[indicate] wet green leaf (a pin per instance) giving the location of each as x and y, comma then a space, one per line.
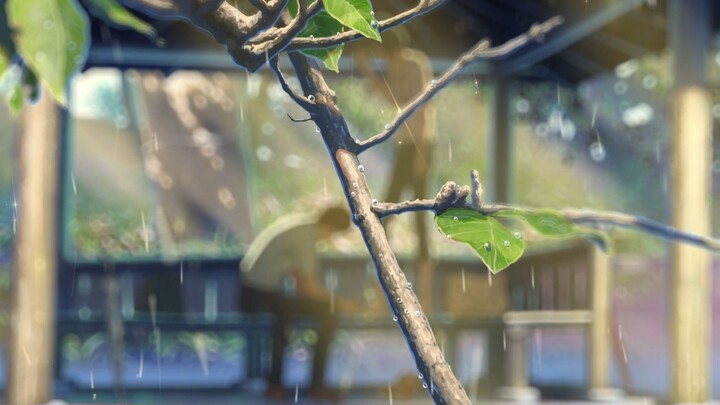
51, 36
497, 246
355, 14
112, 11
322, 25
552, 223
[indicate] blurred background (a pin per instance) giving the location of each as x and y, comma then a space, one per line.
173, 161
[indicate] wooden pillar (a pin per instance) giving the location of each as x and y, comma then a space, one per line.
691, 149
501, 145
599, 332
32, 331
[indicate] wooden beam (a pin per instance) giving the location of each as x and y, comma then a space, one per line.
691, 151
32, 332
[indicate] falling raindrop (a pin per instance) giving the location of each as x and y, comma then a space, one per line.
532, 276
490, 281
504, 341
597, 151
361, 168
506, 243
517, 235
311, 98
463, 279
296, 393
594, 115
487, 246
390, 396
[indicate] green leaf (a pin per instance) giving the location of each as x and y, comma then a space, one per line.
4, 61
552, 223
112, 11
355, 14
321, 25
497, 246
16, 98
51, 36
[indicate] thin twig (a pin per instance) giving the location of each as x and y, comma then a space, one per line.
421, 8
577, 216
298, 119
477, 189
481, 51
301, 100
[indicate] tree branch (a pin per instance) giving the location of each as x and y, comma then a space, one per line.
439, 204
304, 102
421, 8
481, 51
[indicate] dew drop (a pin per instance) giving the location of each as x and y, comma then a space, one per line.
355, 185
424, 384
406, 311
506, 243
311, 98
375, 202
372, 13
398, 300
312, 36
317, 129
420, 376
449, 236
395, 318
361, 168
409, 286
352, 194
380, 255
374, 23
387, 126
433, 82
487, 246
455, 218
517, 235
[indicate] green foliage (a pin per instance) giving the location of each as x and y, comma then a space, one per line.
16, 98
322, 25
111, 11
355, 14
51, 37
497, 246
551, 223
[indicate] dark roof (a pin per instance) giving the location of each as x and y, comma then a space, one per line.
597, 36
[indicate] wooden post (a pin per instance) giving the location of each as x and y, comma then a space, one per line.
691, 149
599, 332
501, 144
32, 331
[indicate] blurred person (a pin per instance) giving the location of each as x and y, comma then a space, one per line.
280, 274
